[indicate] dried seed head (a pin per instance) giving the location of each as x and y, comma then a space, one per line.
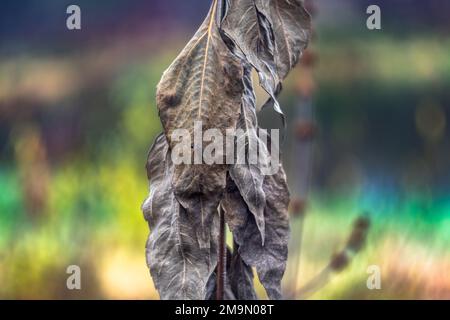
305, 130
339, 261
297, 207
359, 234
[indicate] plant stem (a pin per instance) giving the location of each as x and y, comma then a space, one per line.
222, 258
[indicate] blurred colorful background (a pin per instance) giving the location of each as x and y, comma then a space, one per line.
78, 115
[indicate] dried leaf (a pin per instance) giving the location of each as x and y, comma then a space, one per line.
204, 83
179, 267
253, 40
270, 258
246, 173
291, 25
241, 278
211, 293
270, 35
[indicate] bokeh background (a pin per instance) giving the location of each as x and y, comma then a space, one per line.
78, 115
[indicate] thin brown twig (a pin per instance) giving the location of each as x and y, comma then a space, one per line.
222, 259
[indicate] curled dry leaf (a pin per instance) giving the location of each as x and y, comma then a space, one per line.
228, 293
253, 40
270, 258
241, 278
179, 267
291, 26
246, 173
271, 35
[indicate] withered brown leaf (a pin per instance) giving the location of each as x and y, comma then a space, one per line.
239, 280
240, 276
271, 36
179, 267
270, 258
246, 173
291, 26
204, 83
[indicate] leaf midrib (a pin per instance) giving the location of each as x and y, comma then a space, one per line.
208, 40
